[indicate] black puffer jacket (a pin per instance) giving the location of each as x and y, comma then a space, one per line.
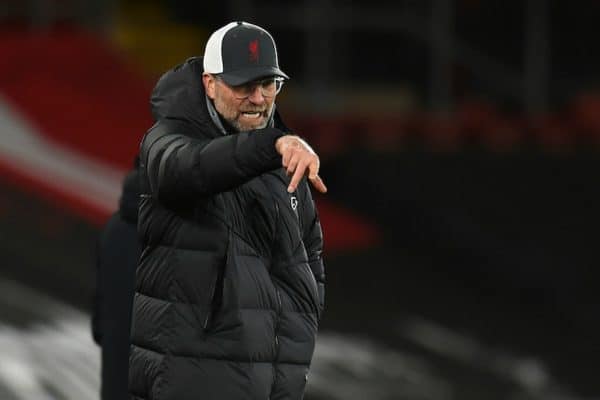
230, 283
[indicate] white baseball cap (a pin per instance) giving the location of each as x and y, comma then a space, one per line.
240, 52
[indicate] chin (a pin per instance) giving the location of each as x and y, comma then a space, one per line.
258, 125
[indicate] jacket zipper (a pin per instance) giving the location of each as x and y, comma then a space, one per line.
279, 309
276, 342
209, 312
219, 279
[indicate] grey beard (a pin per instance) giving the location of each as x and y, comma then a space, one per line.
267, 122
215, 116
236, 125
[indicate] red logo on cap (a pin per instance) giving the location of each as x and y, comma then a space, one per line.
253, 49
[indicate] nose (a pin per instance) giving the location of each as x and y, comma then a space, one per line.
256, 96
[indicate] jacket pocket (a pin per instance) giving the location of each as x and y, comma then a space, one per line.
314, 289
224, 313
216, 294
197, 281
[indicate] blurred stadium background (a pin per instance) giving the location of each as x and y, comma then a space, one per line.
460, 141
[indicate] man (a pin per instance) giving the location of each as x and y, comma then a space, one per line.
117, 255
230, 284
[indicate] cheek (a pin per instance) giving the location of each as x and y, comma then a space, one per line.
225, 107
219, 96
269, 107
231, 108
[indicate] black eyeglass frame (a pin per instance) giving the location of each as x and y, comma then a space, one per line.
250, 87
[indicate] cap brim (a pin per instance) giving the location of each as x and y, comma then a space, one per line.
236, 78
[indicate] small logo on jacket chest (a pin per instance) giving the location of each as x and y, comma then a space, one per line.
294, 202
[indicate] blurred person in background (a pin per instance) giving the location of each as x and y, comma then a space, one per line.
230, 284
117, 255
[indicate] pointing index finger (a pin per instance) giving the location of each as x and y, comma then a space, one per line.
298, 174
318, 184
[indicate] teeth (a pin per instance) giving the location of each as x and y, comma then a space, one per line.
251, 114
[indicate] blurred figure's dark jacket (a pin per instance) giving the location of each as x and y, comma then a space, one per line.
117, 256
230, 285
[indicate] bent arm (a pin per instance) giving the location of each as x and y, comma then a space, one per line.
179, 166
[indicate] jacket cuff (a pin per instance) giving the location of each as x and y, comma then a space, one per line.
265, 146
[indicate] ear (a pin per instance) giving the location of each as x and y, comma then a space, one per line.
209, 85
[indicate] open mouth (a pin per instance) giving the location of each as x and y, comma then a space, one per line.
253, 114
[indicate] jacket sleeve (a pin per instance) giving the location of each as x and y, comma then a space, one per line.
313, 240
180, 166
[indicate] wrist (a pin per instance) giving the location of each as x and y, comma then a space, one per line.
282, 142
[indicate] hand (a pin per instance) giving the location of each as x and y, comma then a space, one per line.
299, 159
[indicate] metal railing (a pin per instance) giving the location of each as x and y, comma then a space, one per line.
430, 23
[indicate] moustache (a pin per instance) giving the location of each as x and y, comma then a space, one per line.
251, 110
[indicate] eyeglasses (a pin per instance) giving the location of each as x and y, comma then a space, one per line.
269, 87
